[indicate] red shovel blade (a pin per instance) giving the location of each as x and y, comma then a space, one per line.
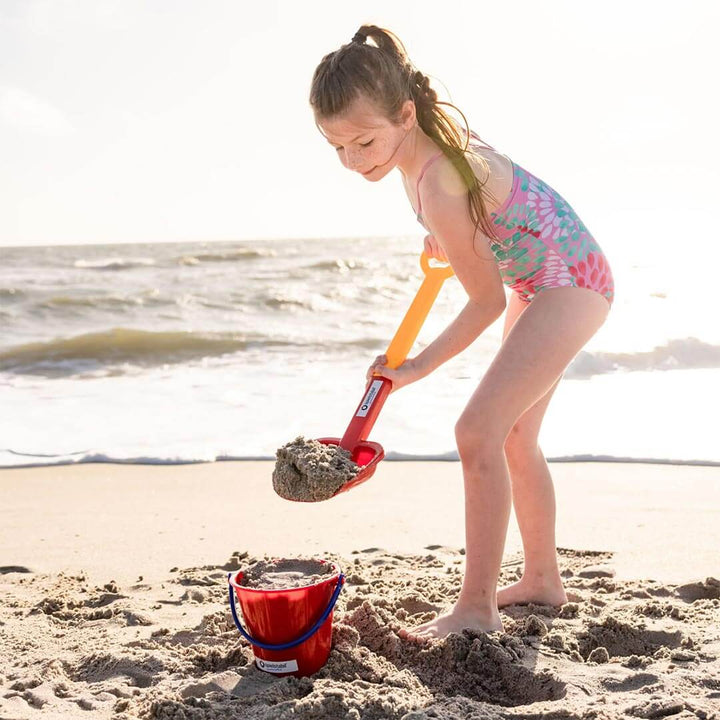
365, 453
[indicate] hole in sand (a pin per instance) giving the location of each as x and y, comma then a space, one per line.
621, 639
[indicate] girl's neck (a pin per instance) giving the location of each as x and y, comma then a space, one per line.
419, 148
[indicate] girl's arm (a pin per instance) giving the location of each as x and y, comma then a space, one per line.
463, 330
446, 212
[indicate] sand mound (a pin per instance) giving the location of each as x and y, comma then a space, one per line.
618, 649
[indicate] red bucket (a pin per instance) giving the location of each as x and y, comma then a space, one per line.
290, 630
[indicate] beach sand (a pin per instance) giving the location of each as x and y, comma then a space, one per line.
113, 596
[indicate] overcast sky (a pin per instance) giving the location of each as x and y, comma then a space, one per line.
137, 121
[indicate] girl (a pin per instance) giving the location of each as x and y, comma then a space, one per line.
495, 223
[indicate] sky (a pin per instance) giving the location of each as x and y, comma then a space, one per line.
146, 121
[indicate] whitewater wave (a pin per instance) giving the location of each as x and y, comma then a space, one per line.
314, 302
227, 256
339, 264
174, 456
105, 302
677, 354
114, 263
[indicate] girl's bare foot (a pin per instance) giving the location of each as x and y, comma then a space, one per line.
525, 591
453, 621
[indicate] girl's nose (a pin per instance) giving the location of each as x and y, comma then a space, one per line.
346, 160
352, 161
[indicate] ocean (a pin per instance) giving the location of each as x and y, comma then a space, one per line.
200, 352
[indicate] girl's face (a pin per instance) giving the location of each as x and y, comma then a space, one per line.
365, 140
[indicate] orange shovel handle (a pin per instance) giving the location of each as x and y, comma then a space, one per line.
414, 318
378, 388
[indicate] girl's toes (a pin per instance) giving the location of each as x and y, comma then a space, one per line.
412, 636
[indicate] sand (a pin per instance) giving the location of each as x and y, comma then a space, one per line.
285, 573
113, 597
169, 650
310, 471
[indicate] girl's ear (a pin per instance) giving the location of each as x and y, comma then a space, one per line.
408, 114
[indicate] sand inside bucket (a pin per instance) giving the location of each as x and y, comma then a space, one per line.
285, 573
308, 470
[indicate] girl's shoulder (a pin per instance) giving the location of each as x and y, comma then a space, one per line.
493, 170
496, 173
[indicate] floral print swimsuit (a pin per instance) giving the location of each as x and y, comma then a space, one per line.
544, 243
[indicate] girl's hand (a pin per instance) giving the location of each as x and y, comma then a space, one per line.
406, 373
433, 249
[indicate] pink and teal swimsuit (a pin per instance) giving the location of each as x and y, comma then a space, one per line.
544, 243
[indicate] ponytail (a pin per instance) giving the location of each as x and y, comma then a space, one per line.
384, 73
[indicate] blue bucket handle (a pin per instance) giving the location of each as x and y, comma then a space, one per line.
287, 645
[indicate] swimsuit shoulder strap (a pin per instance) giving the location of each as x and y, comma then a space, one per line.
475, 136
420, 176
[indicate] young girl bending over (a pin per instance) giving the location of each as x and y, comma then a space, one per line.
495, 223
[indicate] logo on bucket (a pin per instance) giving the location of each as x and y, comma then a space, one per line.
284, 666
369, 398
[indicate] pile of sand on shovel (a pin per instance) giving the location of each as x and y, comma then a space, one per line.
309, 471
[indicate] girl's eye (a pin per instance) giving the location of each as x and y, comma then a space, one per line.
369, 142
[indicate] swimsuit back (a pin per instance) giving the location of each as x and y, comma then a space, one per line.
542, 242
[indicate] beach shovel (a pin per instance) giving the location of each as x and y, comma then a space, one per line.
365, 453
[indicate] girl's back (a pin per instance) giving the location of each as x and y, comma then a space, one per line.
543, 242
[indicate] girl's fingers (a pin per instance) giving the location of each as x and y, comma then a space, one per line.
378, 363
433, 249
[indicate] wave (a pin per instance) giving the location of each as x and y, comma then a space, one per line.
228, 256
103, 302
15, 458
338, 264
313, 301
143, 348
678, 354
282, 302
114, 263
11, 294
453, 456
119, 345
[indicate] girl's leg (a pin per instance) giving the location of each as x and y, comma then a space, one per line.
534, 501
533, 497
543, 341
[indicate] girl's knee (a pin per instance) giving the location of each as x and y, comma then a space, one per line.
478, 441
521, 444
